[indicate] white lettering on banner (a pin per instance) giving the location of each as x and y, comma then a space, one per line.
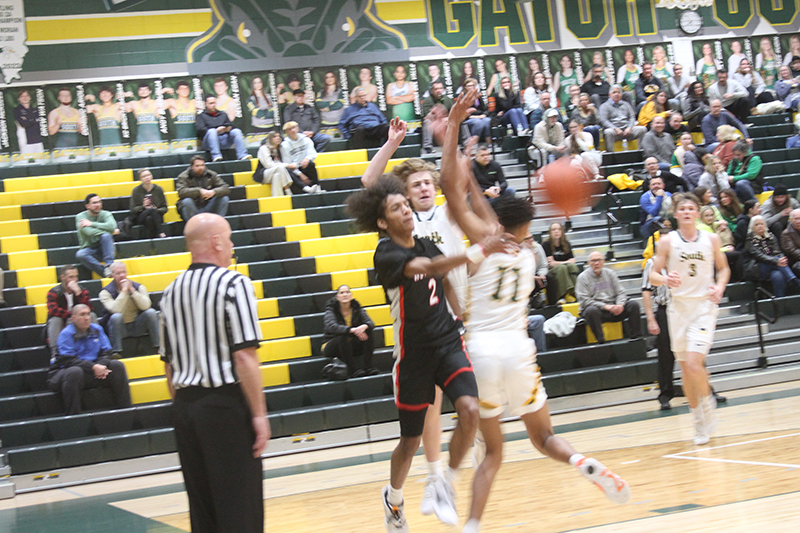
482, 80
162, 116
412, 72
3, 124
273, 92
718, 50
42, 112
123, 122
748, 50
344, 85
12, 26
80, 96
308, 82
199, 102
236, 96
610, 63
512, 69
379, 85
578, 65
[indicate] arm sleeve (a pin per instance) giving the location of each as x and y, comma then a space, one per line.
344, 124
752, 172
141, 298
390, 261
241, 315
311, 153
584, 295
136, 203
651, 209
184, 191
332, 326
220, 187
315, 120
112, 305
53, 308
200, 125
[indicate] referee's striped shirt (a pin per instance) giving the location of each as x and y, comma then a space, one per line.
207, 314
661, 294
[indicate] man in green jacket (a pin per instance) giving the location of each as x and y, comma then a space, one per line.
95, 236
744, 172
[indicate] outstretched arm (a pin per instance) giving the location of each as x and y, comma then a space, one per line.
376, 167
456, 177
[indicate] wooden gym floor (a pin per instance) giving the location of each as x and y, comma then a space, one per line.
748, 475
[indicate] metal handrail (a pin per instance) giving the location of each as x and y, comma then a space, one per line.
762, 360
611, 220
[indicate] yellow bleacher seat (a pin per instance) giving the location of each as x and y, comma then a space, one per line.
37, 294
339, 262
20, 243
763, 196
272, 375
277, 328
292, 217
697, 138
41, 313
380, 315
340, 157
172, 214
633, 144
68, 180
158, 263
373, 295
280, 349
31, 259
339, 245
351, 278
65, 194
10, 212
611, 330
10, 228
149, 390
267, 308
302, 232
271, 204
388, 336
37, 276
147, 366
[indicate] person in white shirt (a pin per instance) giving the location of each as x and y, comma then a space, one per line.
299, 149
736, 56
580, 147
732, 94
271, 170
752, 81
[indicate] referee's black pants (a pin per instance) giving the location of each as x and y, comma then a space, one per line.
215, 437
666, 359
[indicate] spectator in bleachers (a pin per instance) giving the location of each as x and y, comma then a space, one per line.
307, 119
507, 107
678, 159
603, 299
619, 120
773, 265
586, 114
716, 117
129, 312
562, 271
790, 241
654, 206
695, 106
753, 83
537, 84
726, 137
435, 108
580, 145
730, 208
478, 122
216, 131
656, 143
548, 136
794, 66
201, 190
148, 205
788, 88
545, 104
715, 178
597, 87
794, 140
678, 84
777, 208
745, 172
61, 300
348, 333
573, 102
627, 75
672, 183
732, 94
707, 66
489, 174
271, 170
647, 85
536, 300
83, 363
656, 106
693, 166
96, 228
676, 127
750, 209
298, 149
363, 124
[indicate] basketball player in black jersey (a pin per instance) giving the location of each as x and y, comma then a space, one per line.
429, 350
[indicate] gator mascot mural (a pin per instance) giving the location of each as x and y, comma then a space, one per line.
253, 29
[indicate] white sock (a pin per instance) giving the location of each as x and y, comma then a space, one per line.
435, 468
395, 496
575, 459
452, 475
472, 526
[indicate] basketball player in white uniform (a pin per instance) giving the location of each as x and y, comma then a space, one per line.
691, 258
503, 356
436, 223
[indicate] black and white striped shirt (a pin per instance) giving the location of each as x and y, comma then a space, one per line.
661, 295
207, 314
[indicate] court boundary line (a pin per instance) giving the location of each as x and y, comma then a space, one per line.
684, 455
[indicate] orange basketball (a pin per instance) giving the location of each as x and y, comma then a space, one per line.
566, 186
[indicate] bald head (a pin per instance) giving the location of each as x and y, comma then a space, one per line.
208, 237
596, 262
794, 218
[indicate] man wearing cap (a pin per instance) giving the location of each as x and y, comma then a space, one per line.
619, 120
777, 208
548, 135
307, 119
794, 66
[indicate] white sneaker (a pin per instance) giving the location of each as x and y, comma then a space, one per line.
308, 188
700, 429
445, 503
107, 271
394, 517
615, 488
317, 188
429, 495
478, 451
218, 158
245, 157
709, 414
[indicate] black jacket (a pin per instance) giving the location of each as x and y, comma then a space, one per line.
307, 118
206, 121
334, 321
489, 175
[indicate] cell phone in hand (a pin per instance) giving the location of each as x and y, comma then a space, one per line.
148, 197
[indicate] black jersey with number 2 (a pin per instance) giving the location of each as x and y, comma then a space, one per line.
418, 305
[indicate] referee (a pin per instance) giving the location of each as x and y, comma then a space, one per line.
657, 325
211, 333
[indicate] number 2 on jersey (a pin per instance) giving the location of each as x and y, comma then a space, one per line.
432, 286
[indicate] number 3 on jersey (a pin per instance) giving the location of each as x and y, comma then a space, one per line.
502, 270
692, 269
432, 286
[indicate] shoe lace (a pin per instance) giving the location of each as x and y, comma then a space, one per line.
619, 484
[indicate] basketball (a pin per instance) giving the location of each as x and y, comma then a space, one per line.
566, 186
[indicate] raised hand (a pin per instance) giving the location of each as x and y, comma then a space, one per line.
462, 107
397, 130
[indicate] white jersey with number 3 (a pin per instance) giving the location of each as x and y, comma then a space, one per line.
694, 261
499, 291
